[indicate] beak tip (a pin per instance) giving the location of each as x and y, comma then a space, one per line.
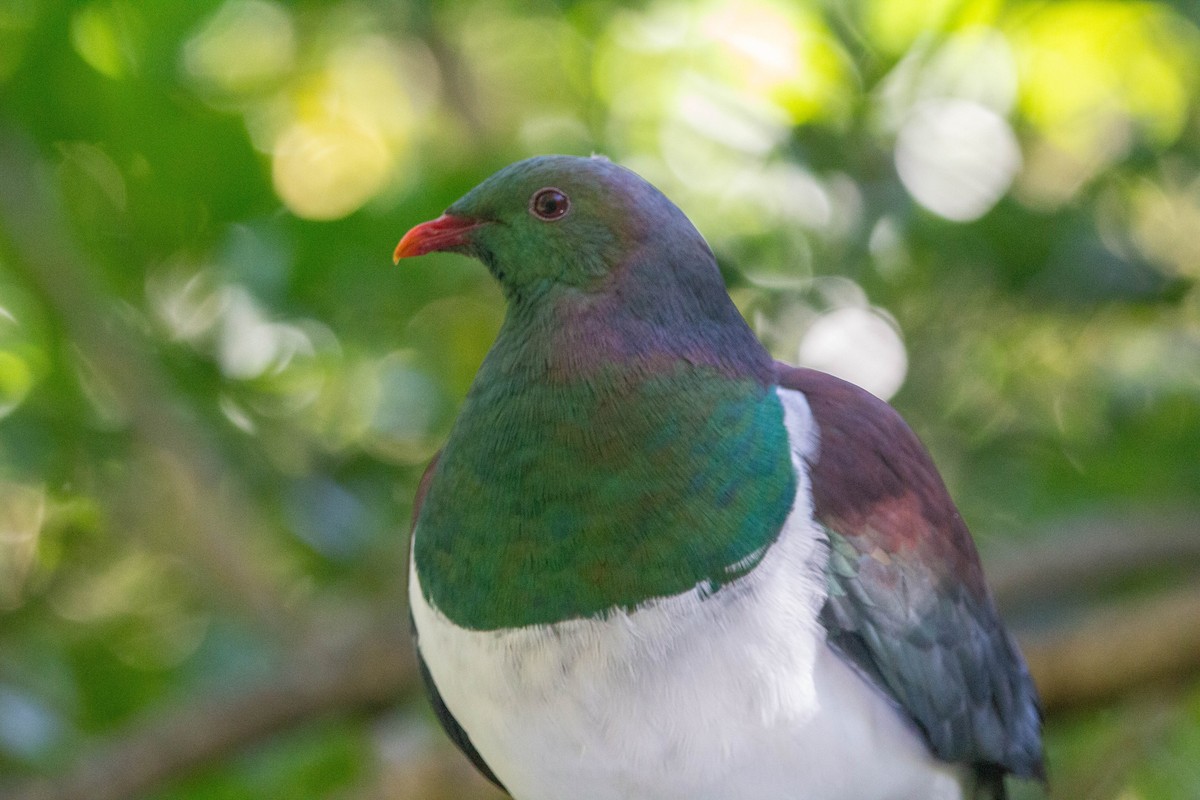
408, 246
447, 232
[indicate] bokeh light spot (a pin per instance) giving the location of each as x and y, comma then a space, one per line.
16, 379
28, 726
957, 158
22, 513
858, 345
339, 136
245, 45
99, 34
324, 169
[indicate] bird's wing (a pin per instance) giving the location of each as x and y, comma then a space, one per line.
449, 724
907, 602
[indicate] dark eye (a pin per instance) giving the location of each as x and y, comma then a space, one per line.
549, 204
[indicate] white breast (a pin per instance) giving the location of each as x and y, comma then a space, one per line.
733, 695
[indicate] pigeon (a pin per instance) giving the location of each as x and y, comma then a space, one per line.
652, 563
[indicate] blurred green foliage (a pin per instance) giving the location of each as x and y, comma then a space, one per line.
989, 209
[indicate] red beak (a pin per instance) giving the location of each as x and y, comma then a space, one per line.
444, 233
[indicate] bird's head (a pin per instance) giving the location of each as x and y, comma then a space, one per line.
556, 221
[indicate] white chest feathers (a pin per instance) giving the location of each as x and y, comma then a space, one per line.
734, 696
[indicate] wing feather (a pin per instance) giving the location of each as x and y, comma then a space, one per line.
907, 604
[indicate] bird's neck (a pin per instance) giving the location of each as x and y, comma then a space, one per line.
575, 484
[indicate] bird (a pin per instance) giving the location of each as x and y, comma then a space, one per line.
652, 563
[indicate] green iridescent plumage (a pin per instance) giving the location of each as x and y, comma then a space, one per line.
557, 501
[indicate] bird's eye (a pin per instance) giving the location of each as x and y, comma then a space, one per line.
549, 204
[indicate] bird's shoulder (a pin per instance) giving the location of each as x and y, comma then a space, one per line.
874, 481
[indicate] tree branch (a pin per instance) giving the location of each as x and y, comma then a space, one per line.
1086, 555
1149, 642
371, 672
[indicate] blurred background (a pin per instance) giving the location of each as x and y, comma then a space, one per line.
217, 393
